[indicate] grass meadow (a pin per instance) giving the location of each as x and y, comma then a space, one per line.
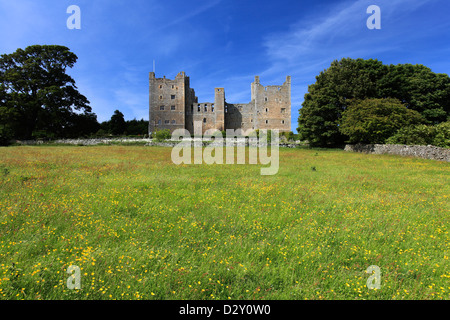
140, 227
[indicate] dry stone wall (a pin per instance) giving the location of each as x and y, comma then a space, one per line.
425, 152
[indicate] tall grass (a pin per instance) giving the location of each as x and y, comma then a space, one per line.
140, 227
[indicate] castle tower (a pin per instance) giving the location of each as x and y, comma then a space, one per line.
167, 102
219, 108
272, 105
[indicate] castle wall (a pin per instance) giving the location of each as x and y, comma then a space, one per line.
203, 112
240, 116
173, 105
219, 102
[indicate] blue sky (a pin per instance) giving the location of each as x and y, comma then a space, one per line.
222, 43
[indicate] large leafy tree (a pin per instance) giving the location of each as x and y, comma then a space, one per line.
328, 98
37, 96
416, 86
420, 89
117, 123
137, 127
82, 125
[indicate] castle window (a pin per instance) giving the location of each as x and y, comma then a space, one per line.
159, 121
282, 121
160, 97
267, 121
212, 108
226, 109
173, 86
206, 108
161, 108
283, 110
160, 86
174, 122
198, 108
218, 90
172, 97
204, 120
166, 121
265, 99
267, 109
172, 108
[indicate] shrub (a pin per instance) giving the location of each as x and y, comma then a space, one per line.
164, 134
442, 137
288, 135
438, 135
101, 133
375, 120
413, 135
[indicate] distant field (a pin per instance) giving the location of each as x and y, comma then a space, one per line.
140, 227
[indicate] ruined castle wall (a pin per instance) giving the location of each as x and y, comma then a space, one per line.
240, 116
203, 113
173, 105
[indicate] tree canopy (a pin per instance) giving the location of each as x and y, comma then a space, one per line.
415, 86
117, 123
118, 126
38, 97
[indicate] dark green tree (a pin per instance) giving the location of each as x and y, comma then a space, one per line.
328, 98
416, 86
8, 118
82, 125
375, 120
137, 127
420, 89
37, 95
117, 123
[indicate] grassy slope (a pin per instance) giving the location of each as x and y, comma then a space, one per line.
140, 227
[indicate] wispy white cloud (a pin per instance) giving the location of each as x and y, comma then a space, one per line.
310, 45
341, 32
119, 40
191, 14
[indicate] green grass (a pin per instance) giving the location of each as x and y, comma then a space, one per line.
140, 227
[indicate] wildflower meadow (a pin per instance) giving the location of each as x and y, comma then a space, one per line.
140, 227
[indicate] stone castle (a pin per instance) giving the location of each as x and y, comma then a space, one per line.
173, 105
